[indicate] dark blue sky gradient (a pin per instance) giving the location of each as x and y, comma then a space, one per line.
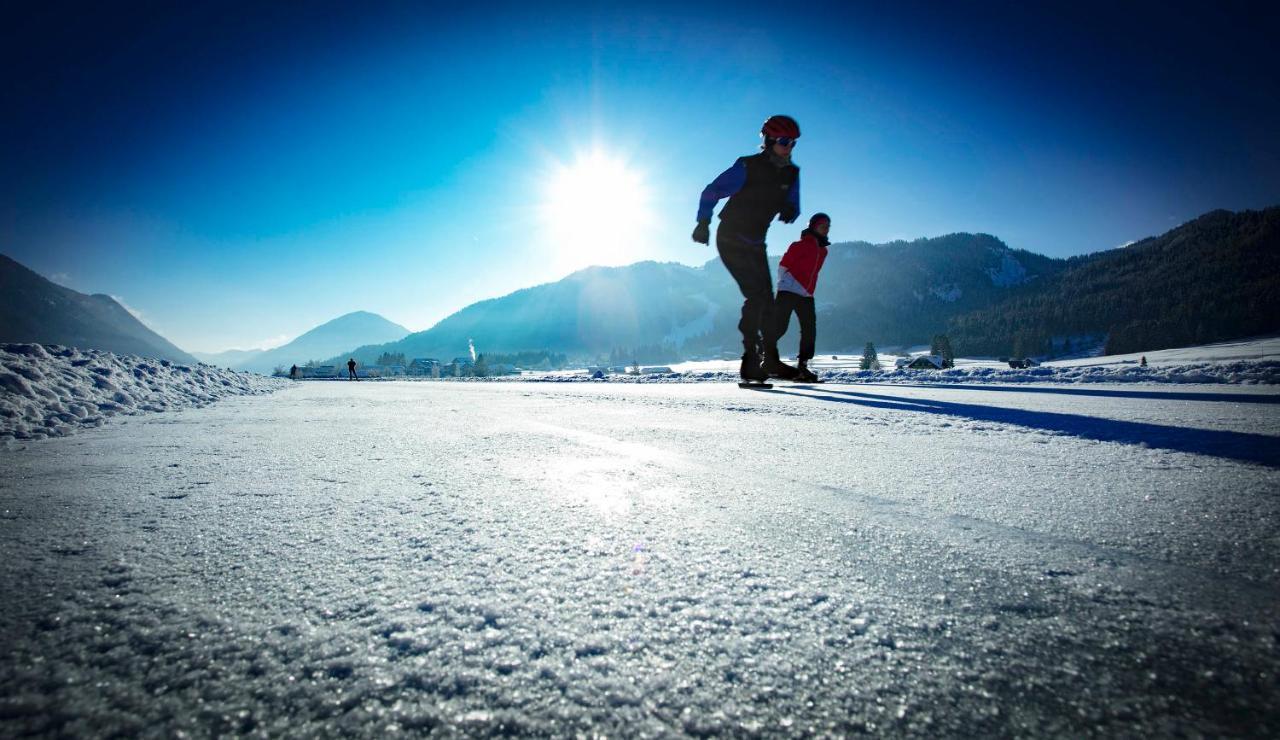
241, 173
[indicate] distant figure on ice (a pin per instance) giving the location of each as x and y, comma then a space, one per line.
1144, 360
759, 187
293, 373
797, 279
351, 369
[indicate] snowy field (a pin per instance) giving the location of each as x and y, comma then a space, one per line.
1249, 362
650, 560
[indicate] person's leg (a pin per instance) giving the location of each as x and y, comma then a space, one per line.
808, 316
783, 306
747, 263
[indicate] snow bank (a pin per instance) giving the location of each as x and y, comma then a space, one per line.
51, 391
1248, 372
1264, 372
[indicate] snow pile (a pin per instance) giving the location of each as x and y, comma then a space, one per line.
1247, 372
51, 391
1242, 372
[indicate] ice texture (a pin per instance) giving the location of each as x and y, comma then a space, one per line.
651, 560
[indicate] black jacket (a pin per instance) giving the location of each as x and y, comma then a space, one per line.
758, 191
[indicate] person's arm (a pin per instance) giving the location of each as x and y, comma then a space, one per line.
729, 182
791, 211
789, 257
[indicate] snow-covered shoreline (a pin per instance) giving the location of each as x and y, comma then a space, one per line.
1244, 362
53, 391
1240, 372
1264, 372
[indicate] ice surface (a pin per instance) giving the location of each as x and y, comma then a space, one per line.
651, 559
52, 391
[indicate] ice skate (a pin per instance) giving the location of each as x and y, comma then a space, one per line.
776, 368
752, 373
805, 375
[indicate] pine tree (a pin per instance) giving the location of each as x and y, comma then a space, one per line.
944, 349
870, 360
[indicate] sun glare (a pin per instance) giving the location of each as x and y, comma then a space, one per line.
596, 212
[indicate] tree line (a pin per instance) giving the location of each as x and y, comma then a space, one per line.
1213, 279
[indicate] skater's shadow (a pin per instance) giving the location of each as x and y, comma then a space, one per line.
1253, 448
1103, 392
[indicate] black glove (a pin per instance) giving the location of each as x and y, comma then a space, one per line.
702, 232
789, 214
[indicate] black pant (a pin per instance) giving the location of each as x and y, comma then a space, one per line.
749, 266
783, 306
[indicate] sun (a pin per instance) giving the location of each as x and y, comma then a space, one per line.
596, 212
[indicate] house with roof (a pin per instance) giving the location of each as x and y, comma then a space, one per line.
424, 367
921, 362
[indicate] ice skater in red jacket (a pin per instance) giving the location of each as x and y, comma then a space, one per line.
797, 280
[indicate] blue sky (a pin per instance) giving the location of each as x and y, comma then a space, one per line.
238, 175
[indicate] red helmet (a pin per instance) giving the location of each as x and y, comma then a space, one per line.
778, 126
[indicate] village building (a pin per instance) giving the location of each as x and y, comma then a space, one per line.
424, 367
922, 362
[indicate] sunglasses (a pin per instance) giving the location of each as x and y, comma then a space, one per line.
785, 141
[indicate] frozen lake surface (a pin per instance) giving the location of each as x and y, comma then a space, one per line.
651, 560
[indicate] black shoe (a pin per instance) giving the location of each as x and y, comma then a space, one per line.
805, 375
751, 368
777, 368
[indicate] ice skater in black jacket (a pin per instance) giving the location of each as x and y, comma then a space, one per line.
759, 187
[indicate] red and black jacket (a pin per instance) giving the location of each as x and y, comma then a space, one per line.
804, 259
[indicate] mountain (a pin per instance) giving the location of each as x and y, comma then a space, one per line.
338, 335
593, 310
1211, 279
33, 309
901, 292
